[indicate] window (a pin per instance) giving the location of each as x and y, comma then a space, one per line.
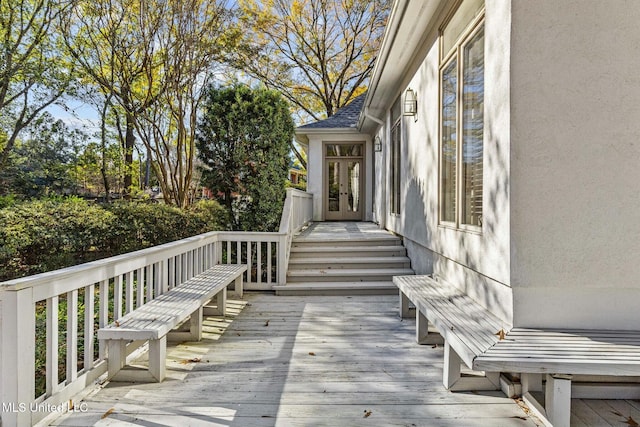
341, 150
462, 118
396, 138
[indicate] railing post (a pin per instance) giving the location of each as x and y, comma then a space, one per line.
218, 251
2, 347
282, 259
17, 363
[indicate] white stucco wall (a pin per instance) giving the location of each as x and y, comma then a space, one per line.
575, 163
477, 262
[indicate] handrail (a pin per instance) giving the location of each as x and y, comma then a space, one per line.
99, 292
296, 213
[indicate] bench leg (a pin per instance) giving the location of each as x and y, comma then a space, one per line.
422, 328
404, 306
451, 371
453, 379
238, 287
220, 304
157, 356
195, 325
116, 356
558, 399
423, 335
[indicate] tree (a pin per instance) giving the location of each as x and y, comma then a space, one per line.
34, 72
197, 34
317, 53
43, 162
243, 140
115, 43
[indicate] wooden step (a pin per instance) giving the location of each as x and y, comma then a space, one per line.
334, 288
346, 274
349, 262
346, 241
348, 251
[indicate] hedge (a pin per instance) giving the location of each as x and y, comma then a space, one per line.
44, 235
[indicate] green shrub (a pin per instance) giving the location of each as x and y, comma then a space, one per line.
6, 201
44, 235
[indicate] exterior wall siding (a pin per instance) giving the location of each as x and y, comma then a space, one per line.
479, 263
575, 198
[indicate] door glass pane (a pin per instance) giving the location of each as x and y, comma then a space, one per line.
342, 150
473, 130
353, 186
333, 177
448, 149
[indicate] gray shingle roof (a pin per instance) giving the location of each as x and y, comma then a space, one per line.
346, 117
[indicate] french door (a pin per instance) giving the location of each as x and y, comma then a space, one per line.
344, 192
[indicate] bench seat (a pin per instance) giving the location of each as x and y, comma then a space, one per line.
154, 320
481, 341
580, 352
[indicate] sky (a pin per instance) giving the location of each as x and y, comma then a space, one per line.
78, 115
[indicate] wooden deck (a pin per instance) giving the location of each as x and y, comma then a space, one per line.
300, 361
336, 231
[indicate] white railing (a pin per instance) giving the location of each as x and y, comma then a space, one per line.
296, 213
67, 306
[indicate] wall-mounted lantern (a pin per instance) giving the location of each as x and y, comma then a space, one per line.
377, 144
410, 104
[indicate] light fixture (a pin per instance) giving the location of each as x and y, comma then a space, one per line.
377, 144
410, 105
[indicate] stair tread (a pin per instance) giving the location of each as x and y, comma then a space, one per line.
336, 285
347, 238
355, 259
372, 248
349, 271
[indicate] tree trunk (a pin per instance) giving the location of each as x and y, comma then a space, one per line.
103, 146
228, 203
129, 142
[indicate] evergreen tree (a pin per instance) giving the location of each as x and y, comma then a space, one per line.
243, 140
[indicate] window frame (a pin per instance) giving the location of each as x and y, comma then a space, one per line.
395, 160
456, 53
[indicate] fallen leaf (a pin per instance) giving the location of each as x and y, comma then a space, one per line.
311, 353
367, 414
630, 421
71, 406
109, 412
266, 323
434, 346
501, 334
117, 323
617, 413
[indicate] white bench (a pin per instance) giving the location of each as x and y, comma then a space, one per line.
155, 319
473, 336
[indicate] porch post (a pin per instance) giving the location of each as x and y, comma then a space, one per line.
17, 362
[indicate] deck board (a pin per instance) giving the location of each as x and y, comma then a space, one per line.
245, 373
